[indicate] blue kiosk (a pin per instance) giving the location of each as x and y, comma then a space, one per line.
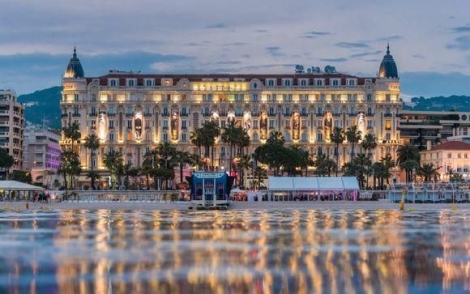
210, 190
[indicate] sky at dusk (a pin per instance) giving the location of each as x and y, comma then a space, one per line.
429, 40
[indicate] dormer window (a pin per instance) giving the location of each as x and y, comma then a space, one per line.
352, 82
113, 82
287, 82
303, 82
319, 82
149, 82
271, 82
131, 82
334, 82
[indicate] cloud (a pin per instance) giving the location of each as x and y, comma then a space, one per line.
351, 45
418, 56
274, 51
365, 54
341, 59
314, 34
217, 26
228, 62
235, 44
461, 29
461, 43
261, 31
390, 38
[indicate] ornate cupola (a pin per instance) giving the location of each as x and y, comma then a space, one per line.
388, 68
74, 69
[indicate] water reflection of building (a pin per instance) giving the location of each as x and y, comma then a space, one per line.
304, 107
310, 251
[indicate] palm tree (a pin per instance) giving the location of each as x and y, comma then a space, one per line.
408, 159
243, 164
150, 164
276, 138
113, 162
210, 130
363, 164
72, 132
324, 165
196, 139
182, 158
230, 136
93, 176
353, 135
69, 167
337, 137
369, 143
429, 172
259, 174
92, 143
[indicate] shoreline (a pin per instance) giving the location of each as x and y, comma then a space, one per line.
235, 205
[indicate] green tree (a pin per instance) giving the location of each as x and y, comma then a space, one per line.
429, 172
113, 162
337, 137
92, 143
69, 167
408, 160
210, 131
324, 165
353, 135
93, 175
259, 174
272, 153
6, 161
72, 132
369, 143
182, 158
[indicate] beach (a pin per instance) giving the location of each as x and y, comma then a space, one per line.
235, 205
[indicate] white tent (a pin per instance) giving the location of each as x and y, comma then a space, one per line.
18, 186
312, 184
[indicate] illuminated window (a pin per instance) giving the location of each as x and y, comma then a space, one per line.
183, 97
388, 124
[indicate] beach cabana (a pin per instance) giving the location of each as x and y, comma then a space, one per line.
312, 188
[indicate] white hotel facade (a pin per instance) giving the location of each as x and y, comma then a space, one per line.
134, 112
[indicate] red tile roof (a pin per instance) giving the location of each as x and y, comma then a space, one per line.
452, 145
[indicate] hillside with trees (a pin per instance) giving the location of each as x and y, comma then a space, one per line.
451, 103
43, 107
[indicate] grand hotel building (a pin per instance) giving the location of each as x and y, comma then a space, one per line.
133, 112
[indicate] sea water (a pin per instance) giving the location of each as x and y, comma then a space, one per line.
235, 251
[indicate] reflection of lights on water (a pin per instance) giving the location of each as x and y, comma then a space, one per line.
301, 250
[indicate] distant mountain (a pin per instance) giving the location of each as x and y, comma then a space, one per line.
454, 103
43, 107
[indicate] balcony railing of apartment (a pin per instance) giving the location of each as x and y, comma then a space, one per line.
93, 114
76, 115
146, 114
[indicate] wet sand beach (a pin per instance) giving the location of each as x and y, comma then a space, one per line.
235, 205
